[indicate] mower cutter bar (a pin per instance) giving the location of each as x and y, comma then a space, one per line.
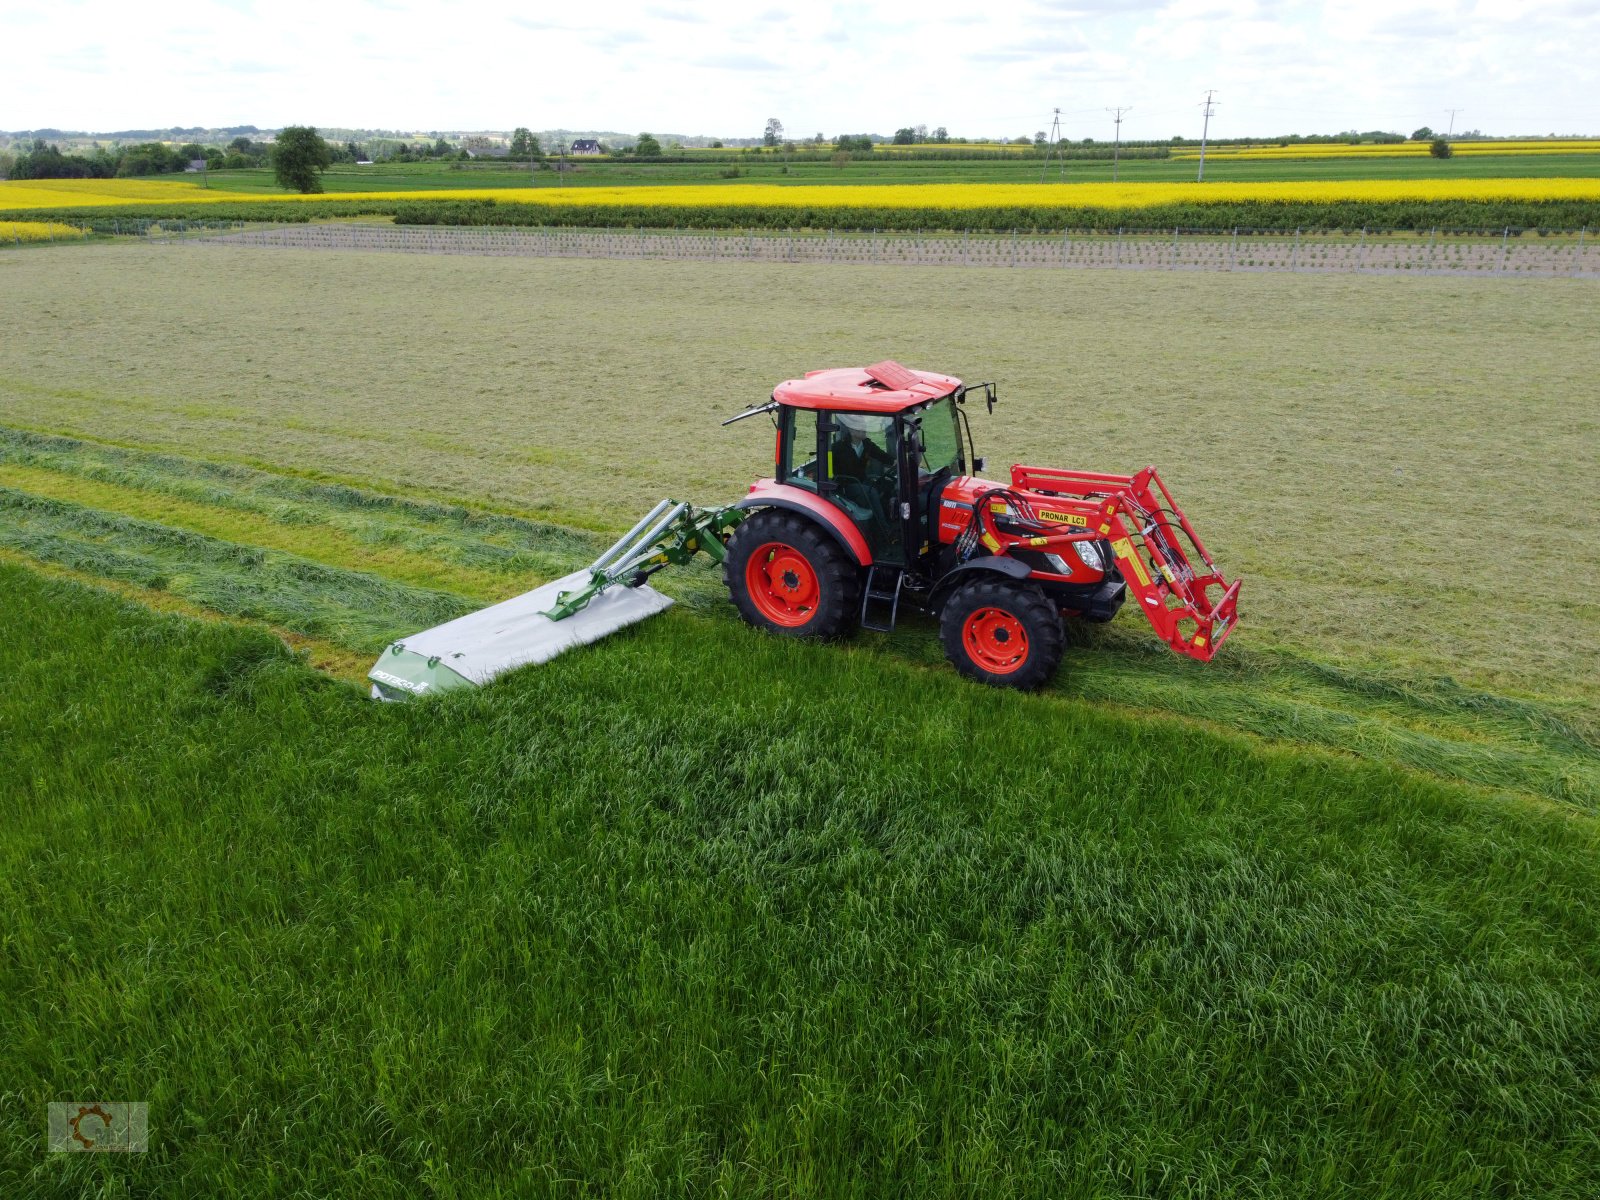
571, 611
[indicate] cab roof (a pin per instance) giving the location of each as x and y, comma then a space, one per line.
884, 387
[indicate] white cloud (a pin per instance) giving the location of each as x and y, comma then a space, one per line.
720, 68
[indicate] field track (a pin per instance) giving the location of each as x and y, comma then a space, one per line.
1145, 250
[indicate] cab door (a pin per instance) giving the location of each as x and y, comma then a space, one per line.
862, 456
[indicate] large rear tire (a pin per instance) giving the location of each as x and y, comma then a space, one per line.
787, 575
1002, 633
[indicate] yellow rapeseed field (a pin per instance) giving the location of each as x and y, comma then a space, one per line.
56, 194
36, 231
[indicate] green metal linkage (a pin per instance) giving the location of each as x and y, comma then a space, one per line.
683, 533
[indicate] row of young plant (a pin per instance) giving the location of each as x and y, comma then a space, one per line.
1473, 216
1481, 216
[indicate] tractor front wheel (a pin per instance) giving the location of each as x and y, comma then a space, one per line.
786, 575
1002, 633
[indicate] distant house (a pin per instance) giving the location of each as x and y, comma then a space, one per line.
196, 164
363, 162
586, 146
488, 151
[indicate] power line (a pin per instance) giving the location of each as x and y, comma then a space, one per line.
1116, 147
1453, 112
1204, 130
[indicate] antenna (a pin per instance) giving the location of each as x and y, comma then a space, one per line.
1453, 112
1055, 148
1210, 104
1116, 147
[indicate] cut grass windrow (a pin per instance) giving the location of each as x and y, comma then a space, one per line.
336, 562
356, 609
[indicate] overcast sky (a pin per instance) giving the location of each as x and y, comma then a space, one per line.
979, 67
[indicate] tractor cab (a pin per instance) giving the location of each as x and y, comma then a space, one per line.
879, 444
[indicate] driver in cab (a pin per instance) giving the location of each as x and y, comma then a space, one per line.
863, 469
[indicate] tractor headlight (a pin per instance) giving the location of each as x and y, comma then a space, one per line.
1090, 555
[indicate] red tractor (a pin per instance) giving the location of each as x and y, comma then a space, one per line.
874, 502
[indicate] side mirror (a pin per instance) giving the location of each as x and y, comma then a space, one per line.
978, 463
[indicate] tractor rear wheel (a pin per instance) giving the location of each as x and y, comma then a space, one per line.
1002, 633
789, 576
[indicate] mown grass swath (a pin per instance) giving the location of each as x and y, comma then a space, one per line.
337, 563
640, 924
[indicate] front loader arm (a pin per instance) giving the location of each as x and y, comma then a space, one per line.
1187, 600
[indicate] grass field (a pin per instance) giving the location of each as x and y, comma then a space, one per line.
885, 170
596, 932
698, 911
1344, 454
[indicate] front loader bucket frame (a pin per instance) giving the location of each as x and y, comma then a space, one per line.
1188, 602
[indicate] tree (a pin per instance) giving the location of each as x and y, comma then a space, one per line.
904, 137
1422, 135
1440, 148
648, 147
522, 143
1040, 138
299, 157
715, 145
941, 134
774, 133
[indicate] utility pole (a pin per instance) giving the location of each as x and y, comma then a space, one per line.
1116, 146
1055, 143
1452, 112
1204, 130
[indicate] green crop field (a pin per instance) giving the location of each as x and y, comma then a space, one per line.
698, 911
768, 168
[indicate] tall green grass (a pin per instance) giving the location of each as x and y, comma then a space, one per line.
736, 916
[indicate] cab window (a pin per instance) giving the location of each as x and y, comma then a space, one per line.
799, 433
941, 439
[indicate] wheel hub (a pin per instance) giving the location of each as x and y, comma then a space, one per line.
995, 640
782, 584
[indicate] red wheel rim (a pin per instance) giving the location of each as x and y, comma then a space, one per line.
782, 584
995, 640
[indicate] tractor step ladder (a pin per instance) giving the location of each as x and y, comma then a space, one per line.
883, 592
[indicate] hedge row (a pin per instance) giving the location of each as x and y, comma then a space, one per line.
1467, 215
1481, 216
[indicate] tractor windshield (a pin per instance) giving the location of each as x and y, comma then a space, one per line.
941, 439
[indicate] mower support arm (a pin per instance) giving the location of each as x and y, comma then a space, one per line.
671, 532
